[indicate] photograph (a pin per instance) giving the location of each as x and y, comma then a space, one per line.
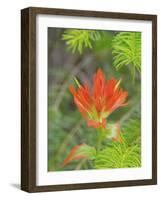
89, 99
94, 99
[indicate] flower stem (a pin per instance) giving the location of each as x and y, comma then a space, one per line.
99, 138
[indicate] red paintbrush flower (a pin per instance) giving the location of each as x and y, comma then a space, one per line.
96, 106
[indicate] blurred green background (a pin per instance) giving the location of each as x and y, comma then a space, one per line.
72, 54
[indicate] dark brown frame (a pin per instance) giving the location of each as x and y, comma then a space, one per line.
28, 98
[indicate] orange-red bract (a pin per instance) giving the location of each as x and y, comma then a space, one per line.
96, 105
73, 155
115, 132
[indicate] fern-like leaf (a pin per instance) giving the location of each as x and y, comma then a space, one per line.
126, 154
127, 51
77, 40
118, 155
131, 131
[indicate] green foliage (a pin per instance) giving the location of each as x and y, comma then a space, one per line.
125, 154
85, 150
118, 156
104, 44
131, 130
77, 40
127, 51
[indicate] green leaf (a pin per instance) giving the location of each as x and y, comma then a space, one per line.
126, 48
77, 40
131, 130
118, 155
125, 154
79, 152
104, 44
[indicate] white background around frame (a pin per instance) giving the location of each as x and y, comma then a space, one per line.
88, 176
10, 100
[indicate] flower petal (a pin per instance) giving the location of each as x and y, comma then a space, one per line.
93, 123
98, 83
106, 97
96, 124
72, 90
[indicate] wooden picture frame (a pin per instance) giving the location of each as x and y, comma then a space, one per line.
28, 98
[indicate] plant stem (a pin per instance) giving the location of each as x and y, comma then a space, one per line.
99, 138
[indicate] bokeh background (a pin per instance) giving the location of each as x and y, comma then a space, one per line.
66, 128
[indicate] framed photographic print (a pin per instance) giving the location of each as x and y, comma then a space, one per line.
89, 99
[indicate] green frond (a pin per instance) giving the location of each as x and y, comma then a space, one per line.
131, 130
126, 154
77, 40
126, 49
118, 155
